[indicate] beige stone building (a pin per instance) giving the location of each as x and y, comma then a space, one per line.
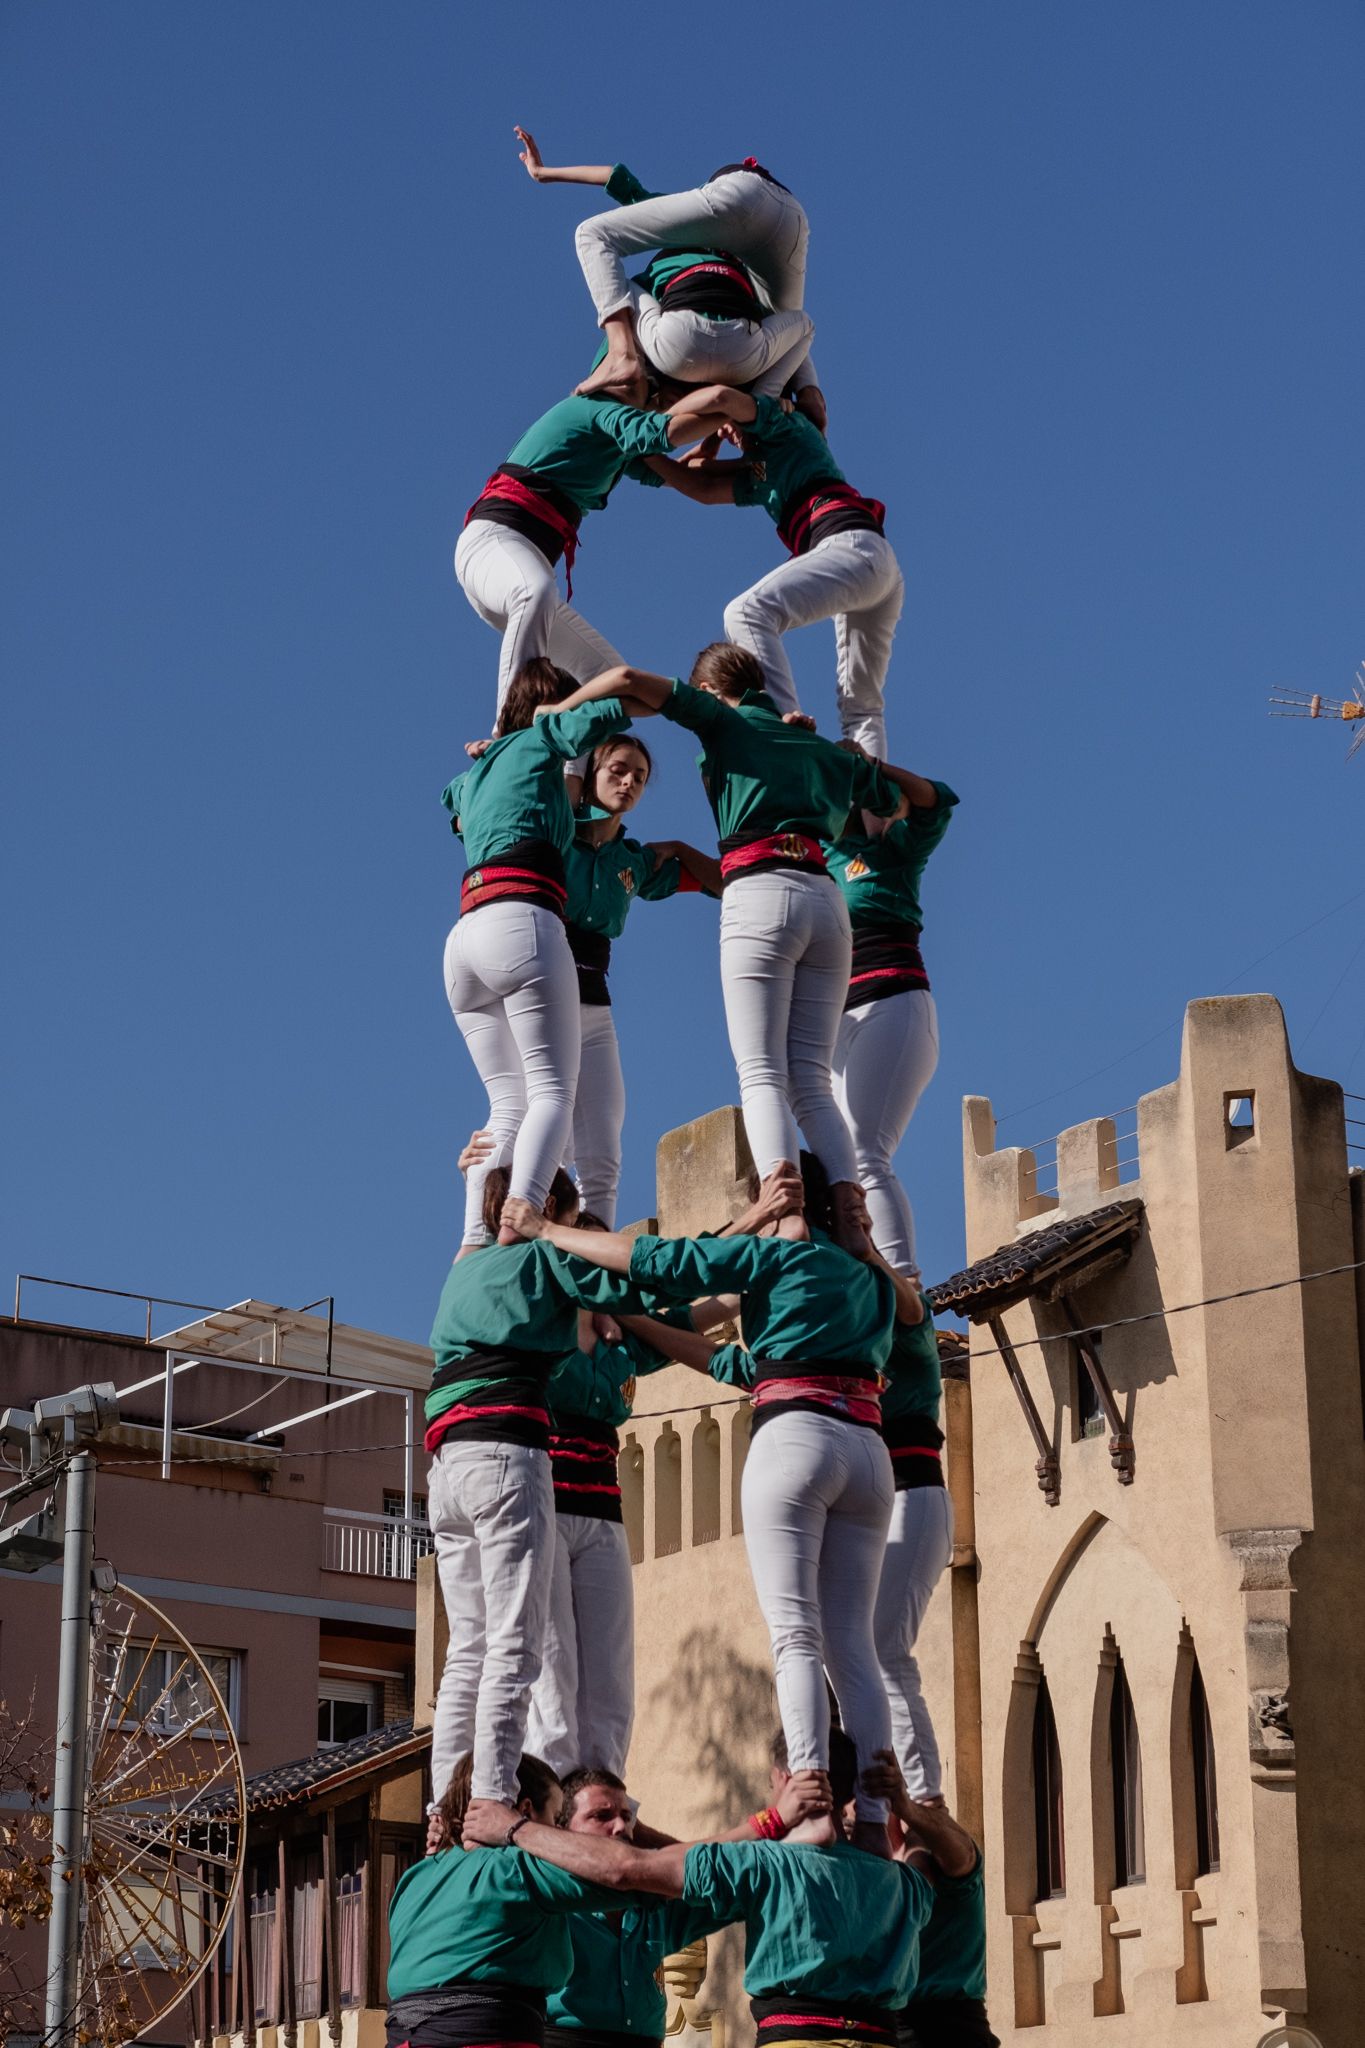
1147, 1657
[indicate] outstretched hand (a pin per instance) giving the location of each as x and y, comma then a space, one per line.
486, 1823
805, 1794
530, 154
802, 719
522, 1217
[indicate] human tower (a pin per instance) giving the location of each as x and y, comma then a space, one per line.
860, 1896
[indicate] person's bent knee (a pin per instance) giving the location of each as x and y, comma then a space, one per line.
742, 617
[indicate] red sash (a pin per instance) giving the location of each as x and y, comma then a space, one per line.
855, 1400
777, 846
517, 493
490, 884
717, 267
822, 499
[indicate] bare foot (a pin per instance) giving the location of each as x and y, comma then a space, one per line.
622, 377
509, 1236
794, 1229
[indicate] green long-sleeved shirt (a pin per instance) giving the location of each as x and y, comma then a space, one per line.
625, 188
801, 1301
794, 454
914, 1378
834, 1922
763, 776
952, 1947
516, 791
584, 446
605, 881
880, 877
525, 1296
592, 1384
487, 1916
611, 1987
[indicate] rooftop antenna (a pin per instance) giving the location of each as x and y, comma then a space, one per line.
1303, 704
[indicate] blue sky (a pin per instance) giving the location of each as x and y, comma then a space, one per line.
1088, 291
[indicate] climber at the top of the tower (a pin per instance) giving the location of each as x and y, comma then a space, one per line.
721, 302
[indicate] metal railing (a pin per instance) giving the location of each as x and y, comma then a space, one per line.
374, 1546
151, 1301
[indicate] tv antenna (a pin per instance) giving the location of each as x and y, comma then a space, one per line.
1306, 704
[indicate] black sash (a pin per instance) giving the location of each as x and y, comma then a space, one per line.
945, 2023
592, 957
467, 2016
521, 519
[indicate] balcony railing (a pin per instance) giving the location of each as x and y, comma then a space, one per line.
373, 1546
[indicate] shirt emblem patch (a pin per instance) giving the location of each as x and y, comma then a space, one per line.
626, 878
856, 869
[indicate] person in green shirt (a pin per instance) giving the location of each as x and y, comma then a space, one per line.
528, 515
609, 872
506, 1318
831, 1932
817, 1488
842, 566
583, 1700
777, 791
887, 1047
947, 2008
509, 973
722, 301
479, 1937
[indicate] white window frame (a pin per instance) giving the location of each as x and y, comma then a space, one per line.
351, 1692
232, 1693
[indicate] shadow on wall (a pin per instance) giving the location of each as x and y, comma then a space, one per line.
720, 1711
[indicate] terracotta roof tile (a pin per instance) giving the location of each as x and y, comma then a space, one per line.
1040, 1262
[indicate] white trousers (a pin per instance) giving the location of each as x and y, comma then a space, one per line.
785, 949
884, 1059
583, 1703
919, 1548
764, 354
816, 1497
853, 578
491, 1508
599, 1111
513, 589
513, 988
741, 212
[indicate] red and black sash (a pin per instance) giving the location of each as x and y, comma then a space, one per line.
583, 1467
840, 1388
592, 957
517, 497
509, 1407
531, 870
467, 2016
886, 961
823, 508
718, 285
766, 854
795, 2016
916, 1446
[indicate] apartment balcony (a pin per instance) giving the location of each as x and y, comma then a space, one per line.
374, 1546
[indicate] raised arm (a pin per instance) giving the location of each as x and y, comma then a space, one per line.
932, 1827
705, 483
919, 791
635, 685
609, 1249
620, 1866
678, 1346
557, 174
703, 869
909, 1300
700, 410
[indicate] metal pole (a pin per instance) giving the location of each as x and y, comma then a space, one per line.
69, 1777
166, 1413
